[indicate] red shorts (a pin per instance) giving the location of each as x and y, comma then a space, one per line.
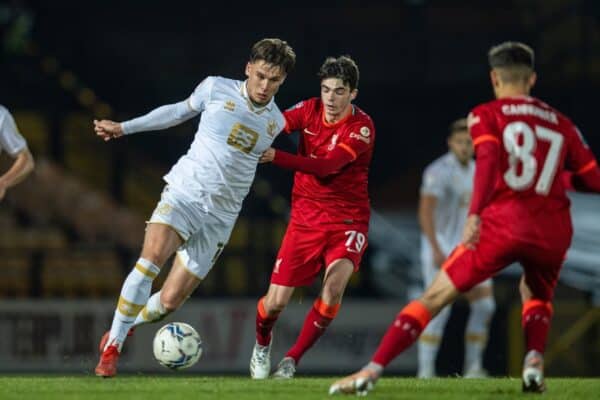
305, 251
541, 256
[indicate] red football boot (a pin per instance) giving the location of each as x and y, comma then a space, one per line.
107, 366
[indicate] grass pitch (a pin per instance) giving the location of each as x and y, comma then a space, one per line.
161, 387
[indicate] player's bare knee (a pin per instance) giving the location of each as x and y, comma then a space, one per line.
436, 300
275, 304
171, 300
332, 293
154, 255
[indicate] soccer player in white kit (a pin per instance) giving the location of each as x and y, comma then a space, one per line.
204, 190
443, 205
15, 145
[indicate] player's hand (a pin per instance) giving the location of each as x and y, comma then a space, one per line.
438, 257
471, 231
108, 129
267, 156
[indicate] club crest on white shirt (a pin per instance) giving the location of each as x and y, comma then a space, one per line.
272, 128
229, 105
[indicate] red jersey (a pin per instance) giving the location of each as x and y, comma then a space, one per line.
537, 144
340, 199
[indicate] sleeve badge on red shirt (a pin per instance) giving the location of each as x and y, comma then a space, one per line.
472, 119
365, 132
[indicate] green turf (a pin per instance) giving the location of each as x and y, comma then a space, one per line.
240, 388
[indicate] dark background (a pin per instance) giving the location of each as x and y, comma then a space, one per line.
423, 64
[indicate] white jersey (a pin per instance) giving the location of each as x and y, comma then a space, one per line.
11, 140
231, 136
451, 183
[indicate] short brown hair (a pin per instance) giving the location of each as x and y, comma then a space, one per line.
275, 52
513, 60
343, 68
460, 125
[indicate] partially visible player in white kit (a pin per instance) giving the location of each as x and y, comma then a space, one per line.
205, 189
15, 145
443, 206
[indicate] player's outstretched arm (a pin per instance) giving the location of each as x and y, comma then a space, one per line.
107, 129
320, 167
160, 118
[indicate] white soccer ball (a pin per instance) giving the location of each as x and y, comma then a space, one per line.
177, 346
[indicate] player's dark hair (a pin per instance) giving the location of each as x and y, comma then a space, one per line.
513, 60
275, 52
460, 125
343, 68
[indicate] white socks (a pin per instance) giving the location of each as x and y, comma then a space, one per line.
134, 295
429, 343
476, 332
152, 312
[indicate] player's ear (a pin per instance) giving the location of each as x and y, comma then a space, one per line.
494, 78
353, 94
532, 80
248, 69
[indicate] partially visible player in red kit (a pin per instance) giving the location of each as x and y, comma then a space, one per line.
330, 211
518, 212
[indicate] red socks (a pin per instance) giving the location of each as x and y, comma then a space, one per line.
318, 319
264, 324
403, 332
536, 324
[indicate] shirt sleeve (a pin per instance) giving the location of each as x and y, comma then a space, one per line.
201, 95
486, 141
434, 181
295, 117
482, 127
579, 158
360, 139
320, 167
10, 138
160, 118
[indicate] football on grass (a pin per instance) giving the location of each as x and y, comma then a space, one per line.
177, 346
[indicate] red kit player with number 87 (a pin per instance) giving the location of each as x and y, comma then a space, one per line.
519, 212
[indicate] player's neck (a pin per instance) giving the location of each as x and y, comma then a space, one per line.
332, 119
512, 91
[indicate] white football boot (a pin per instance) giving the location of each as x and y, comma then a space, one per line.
286, 369
533, 372
359, 383
260, 363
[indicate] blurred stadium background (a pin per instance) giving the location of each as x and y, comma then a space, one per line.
70, 233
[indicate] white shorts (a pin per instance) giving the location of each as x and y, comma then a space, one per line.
203, 232
430, 270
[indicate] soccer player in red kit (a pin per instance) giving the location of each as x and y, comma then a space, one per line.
330, 211
518, 212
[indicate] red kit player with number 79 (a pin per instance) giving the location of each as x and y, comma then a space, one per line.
330, 211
